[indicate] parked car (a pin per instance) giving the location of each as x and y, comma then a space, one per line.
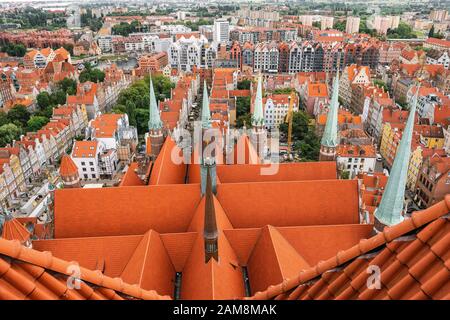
379, 157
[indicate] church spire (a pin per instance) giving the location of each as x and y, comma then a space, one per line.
206, 113
154, 122
330, 134
390, 210
330, 139
210, 232
258, 115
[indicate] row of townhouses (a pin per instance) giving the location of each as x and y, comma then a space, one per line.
26, 159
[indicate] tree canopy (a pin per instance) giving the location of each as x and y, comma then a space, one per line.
46, 102
404, 31
244, 84
124, 28
305, 140
135, 100
242, 106
15, 50
91, 74
19, 114
381, 84
88, 20
340, 25
36, 122
8, 133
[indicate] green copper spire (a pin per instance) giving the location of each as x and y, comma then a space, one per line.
206, 113
258, 115
330, 134
390, 210
154, 122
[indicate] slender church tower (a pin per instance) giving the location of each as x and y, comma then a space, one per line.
210, 233
330, 139
155, 125
258, 135
391, 208
208, 158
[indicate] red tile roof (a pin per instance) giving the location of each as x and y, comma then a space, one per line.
31, 274
102, 212
106, 125
347, 150
317, 90
300, 171
130, 178
299, 203
412, 257
85, 149
14, 230
439, 42
67, 167
165, 170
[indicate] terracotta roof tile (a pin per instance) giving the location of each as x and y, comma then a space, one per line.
67, 166
165, 170
285, 172
408, 271
130, 178
141, 270
30, 274
85, 149
151, 209
298, 203
14, 230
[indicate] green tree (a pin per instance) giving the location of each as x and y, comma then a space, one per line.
69, 86
68, 47
402, 102
364, 29
16, 50
242, 106
88, 20
282, 91
36, 122
305, 141
3, 118
8, 133
345, 175
381, 84
244, 84
94, 75
439, 35
162, 86
130, 108
58, 97
124, 28
135, 99
142, 116
43, 100
119, 108
431, 33
245, 119
19, 114
404, 31
340, 25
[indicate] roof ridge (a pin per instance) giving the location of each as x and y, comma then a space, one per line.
274, 232
14, 250
417, 220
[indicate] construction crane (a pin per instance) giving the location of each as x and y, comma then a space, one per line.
288, 120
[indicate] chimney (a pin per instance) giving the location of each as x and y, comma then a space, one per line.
210, 233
